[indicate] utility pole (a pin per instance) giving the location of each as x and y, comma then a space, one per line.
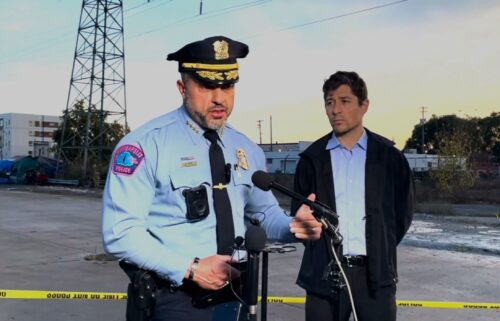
259, 125
271, 130
97, 80
41, 151
422, 123
201, 7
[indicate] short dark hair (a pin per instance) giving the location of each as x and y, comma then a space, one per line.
349, 78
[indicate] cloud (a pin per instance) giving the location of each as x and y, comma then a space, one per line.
446, 61
439, 55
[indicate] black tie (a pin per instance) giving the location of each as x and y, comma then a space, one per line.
222, 205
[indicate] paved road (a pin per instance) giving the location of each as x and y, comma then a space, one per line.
44, 239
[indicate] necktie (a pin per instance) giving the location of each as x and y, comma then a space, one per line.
222, 205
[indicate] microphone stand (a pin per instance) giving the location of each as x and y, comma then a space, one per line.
263, 290
253, 280
274, 248
255, 241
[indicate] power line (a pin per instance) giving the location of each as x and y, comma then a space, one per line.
344, 15
57, 40
62, 37
150, 7
206, 15
352, 13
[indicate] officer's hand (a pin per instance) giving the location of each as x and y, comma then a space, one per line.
215, 272
304, 225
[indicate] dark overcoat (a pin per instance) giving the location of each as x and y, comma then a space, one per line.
389, 204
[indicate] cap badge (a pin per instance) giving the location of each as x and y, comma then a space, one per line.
242, 159
221, 49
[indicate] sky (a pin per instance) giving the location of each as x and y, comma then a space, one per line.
439, 54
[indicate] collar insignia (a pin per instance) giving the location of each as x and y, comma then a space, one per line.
194, 127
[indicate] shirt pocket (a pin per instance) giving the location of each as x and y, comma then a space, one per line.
242, 178
183, 178
242, 183
170, 199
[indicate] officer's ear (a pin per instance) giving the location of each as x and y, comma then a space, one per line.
182, 88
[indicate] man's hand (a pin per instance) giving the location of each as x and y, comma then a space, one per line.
304, 226
214, 272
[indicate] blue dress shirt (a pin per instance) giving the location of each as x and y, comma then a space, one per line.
348, 168
144, 210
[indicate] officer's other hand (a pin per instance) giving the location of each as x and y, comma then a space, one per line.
215, 272
304, 226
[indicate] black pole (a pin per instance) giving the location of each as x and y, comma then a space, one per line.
263, 301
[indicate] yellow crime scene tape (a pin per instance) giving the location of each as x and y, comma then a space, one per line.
71, 295
60, 295
405, 303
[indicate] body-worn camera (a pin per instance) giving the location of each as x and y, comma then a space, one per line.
196, 203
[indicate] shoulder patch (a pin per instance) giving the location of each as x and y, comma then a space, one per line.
126, 160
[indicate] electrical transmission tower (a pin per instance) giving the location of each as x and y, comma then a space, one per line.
97, 87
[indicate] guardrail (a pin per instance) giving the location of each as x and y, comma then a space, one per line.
58, 181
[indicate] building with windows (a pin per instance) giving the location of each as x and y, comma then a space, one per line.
26, 134
283, 157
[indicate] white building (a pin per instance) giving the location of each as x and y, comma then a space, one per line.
426, 162
283, 158
26, 134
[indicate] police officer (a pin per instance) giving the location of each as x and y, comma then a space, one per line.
163, 210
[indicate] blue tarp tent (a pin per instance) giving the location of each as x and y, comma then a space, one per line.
5, 169
25, 167
6, 165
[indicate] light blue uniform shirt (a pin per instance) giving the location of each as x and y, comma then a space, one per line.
144, 211
348, 167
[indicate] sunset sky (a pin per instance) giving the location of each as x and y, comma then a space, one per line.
441, 54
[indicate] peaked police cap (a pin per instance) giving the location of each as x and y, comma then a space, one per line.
212, 61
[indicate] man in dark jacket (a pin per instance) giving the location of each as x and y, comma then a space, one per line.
369, 184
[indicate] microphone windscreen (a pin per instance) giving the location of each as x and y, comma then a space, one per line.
238, 241
255, 239
262, 180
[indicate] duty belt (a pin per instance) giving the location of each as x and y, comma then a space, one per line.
350, 261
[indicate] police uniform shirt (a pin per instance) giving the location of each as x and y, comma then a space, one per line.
144, 210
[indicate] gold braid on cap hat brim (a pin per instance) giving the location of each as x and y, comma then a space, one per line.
191, 65
215, 75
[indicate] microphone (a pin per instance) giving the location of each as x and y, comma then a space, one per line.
265, 182
239, 254
238, 242
255, 240
227, 173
